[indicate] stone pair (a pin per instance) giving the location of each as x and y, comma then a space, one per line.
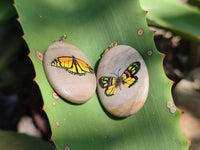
122, 77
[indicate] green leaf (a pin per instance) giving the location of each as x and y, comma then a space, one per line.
15, 141
10, 54
179, 18
6, 10
92, 26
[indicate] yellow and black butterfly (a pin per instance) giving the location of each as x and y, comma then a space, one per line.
127, 78
72, 65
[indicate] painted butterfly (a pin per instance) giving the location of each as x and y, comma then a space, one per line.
72, 65
127, 78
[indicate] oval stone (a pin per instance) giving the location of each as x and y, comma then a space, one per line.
122, 81
69, 72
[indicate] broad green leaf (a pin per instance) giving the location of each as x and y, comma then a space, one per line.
14, 141
6, 10
180, 18
92, 26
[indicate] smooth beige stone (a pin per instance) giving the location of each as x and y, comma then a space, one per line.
126, 101
72, 87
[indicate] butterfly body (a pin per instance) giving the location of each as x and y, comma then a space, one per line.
119, 83
72, 65
127, 79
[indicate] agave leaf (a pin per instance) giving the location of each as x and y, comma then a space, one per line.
179, 18
6, 10
92, 26
14, 141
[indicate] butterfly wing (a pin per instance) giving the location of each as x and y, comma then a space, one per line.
128, 77
72, 65
83, 66
109, 83
76, 68
62, 62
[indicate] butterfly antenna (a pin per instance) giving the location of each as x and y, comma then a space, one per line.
114, 74
119, 71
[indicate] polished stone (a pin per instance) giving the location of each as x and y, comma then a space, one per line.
122, 81
69, 72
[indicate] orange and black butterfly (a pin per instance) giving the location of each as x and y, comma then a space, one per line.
72, 65
127, 78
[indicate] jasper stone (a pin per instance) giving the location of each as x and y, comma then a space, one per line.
122, 81
69, 72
